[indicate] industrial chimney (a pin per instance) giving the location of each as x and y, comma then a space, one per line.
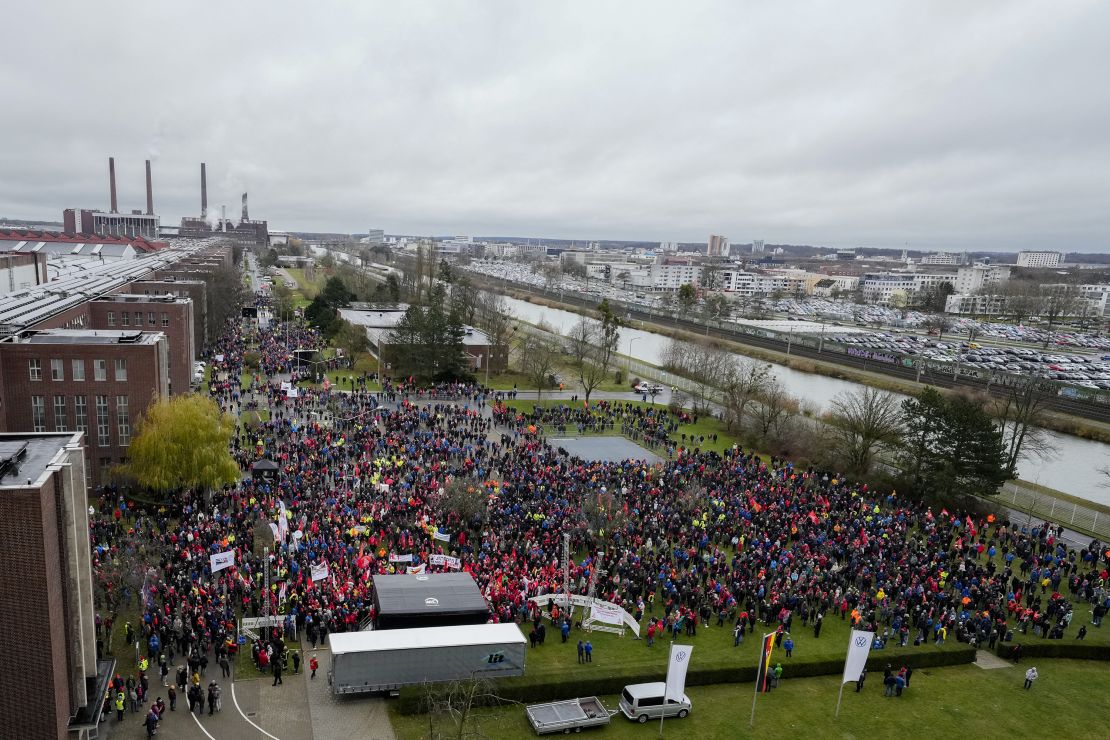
112, 182
245, 218
203, 192
223, 218
149, 192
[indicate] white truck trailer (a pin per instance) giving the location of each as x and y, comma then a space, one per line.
386, 660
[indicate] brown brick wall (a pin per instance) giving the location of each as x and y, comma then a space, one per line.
34, 689
195, 289
179, 331
143, 385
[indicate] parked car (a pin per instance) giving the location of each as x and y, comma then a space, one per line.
644, 701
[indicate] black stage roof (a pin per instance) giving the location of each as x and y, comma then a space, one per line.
430, 599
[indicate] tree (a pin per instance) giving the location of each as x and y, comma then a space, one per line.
493, 317
744, 383
467, 499
863, 423
938, 323
538, 359
580, 339
773, 409
687, 297
935, 297
183, 442
610, 333
352, 339
427, 342
322, 313
1020, 415
951, 445
224, 296
446, 274
1057, 302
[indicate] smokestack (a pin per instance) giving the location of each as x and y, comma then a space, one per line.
112, 182
223, 218
245, 219
149, 192
203, 192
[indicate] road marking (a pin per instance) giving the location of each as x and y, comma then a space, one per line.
206, 732
248, 719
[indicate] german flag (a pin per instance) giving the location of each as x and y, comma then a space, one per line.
763, 676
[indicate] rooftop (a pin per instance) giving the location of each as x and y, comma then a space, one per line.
24, 457
85, 336
141, 298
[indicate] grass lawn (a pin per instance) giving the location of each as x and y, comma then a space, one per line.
336, 378
956, 701
305, 287
705, 425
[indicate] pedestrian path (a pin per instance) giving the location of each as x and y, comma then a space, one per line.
987, 660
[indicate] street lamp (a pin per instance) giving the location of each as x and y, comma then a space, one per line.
628, 364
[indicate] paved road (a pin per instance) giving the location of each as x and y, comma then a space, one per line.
299, 709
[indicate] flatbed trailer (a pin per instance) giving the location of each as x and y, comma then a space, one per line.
568, 716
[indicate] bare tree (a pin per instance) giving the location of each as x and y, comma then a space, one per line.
863, 422
492, 316
939, 323
773, 409
452, 704
538, 359
580, 339
744, 382
1058, 302
465, 498
1020, 417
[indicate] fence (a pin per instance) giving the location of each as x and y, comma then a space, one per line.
1088, 519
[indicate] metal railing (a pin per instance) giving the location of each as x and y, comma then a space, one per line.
1043, 505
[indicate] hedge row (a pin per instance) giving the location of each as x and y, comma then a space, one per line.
542, 687
1056, 649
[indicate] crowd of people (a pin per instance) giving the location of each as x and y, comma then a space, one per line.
364, 476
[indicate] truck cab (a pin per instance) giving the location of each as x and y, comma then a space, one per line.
644, 701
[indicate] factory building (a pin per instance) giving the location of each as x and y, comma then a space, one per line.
137, 223
246, 231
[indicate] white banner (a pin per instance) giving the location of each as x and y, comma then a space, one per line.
859, 645
406, 558
416, 569
606, 614
319, 572
283, 521
676, 671
222, 560
447, 560
441, 536
276, 531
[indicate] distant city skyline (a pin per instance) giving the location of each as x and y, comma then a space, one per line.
936, 126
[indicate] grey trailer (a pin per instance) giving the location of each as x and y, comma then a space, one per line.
568, 716
386, 660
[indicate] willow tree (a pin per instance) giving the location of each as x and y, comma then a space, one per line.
183, 442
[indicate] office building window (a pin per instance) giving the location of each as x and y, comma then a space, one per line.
81, 414
100, 369
61, 423
123, 421
138, 318
102, 430
121, 369
35, 366
165, 319
111, 318
151, 319
125, 318
38, 413
57, 369
78, 368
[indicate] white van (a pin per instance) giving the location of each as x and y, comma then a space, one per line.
644, 701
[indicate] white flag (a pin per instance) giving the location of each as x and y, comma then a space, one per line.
222, 560
859, 646
415, 569
319, 572
676, 671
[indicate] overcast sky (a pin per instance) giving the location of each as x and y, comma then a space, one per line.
981, 125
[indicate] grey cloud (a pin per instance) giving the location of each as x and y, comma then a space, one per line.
942, 124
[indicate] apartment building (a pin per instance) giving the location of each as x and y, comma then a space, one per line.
1039, 259
976, 277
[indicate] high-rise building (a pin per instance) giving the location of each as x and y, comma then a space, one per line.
757, 246
717, 246
59, 686
1039, 259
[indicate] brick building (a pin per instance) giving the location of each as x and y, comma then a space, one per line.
166, 313
54, 684
197, 290
93, 381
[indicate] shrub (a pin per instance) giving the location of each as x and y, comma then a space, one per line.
539, 687
1055, 649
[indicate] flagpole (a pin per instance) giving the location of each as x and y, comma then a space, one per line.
759, 671
838, 698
